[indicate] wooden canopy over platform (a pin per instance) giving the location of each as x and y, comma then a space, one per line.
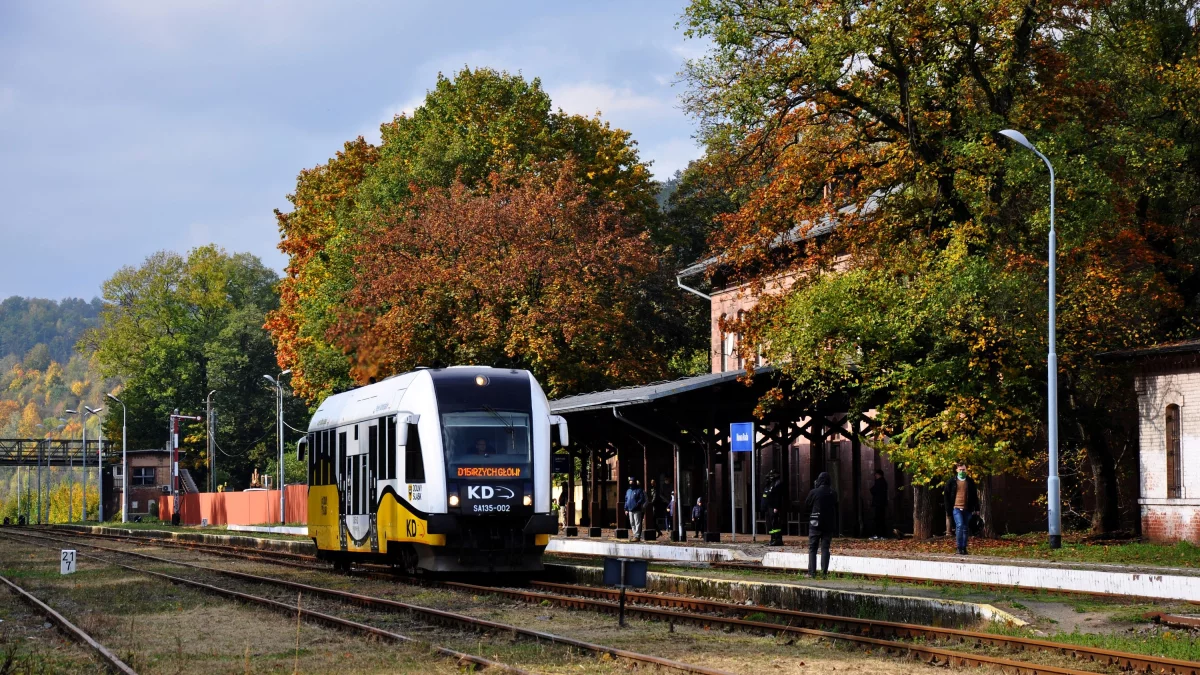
679, 430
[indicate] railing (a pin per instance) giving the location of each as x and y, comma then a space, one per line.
52, 452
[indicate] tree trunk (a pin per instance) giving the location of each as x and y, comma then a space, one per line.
923, 512
1106, 515
985, 507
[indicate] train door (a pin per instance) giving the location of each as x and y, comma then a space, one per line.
358, 481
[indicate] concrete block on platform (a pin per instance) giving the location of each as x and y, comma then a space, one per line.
1139, 584
648, 551
301, 531
907, 609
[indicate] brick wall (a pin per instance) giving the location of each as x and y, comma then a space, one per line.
1166, 519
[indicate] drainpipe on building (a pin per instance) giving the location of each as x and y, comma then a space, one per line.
678, 524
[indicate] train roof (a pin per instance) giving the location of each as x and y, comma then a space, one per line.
379, 399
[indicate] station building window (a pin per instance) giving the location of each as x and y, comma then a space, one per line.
1174, 454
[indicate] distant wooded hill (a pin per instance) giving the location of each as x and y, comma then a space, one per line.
28, 322
41, 374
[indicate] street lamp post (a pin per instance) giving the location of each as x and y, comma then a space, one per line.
124, 465
71, 470
99, 467
279, 433
1052, 483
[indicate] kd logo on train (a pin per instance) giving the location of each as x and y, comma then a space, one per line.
488, 492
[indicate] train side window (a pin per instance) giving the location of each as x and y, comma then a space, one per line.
389, 425
373, 449
313, 464
414, 463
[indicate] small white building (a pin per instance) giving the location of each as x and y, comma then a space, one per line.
1167, 383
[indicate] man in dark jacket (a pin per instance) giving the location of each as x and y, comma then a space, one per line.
822, 505
961, 502
774, 508
635, 506
653, 504
879, 501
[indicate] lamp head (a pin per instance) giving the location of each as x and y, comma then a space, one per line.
93, 412
286, 372
270, 379
115, 398
1017, 137
70, 412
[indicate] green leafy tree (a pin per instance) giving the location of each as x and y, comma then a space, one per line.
176, 328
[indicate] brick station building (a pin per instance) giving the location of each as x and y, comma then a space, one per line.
1167, 384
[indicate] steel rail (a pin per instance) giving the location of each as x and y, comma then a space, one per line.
438, 614
289, 610
74, 632
1123, 660
930, 654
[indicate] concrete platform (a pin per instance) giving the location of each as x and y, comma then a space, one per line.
270, 529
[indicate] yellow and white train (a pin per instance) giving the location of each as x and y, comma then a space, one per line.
441, 469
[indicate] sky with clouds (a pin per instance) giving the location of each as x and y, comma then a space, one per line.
132, 127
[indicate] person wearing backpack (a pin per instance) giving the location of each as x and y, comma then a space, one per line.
635, 507
822, 503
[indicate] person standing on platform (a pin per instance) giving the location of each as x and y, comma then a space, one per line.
698, 517
652, 502
635, 507
879, 500
671, 506
962, 500
774, 508
562, 505
822, 504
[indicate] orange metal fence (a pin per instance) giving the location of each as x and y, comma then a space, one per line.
256, 507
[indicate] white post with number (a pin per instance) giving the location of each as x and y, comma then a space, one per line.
67, 561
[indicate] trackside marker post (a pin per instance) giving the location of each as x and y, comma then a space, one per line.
67, 561
624, 573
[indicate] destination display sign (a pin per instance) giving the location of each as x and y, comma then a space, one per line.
489, 472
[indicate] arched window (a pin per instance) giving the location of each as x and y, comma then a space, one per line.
1174, 465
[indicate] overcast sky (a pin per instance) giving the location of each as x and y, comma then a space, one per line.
131, 127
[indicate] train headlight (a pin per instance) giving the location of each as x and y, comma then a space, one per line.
453, 501
527, 500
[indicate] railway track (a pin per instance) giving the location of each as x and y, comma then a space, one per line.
384, 604
656, 607
111, 660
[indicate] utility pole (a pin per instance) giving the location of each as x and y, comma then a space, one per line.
124, 465
212, 460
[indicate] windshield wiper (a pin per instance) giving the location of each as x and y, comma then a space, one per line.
508, 426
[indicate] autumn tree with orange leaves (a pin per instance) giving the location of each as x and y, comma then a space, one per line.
928, 299
537, 275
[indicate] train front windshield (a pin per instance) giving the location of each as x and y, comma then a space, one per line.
487, 444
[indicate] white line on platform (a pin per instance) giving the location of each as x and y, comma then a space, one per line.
1139, 584
270, 529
